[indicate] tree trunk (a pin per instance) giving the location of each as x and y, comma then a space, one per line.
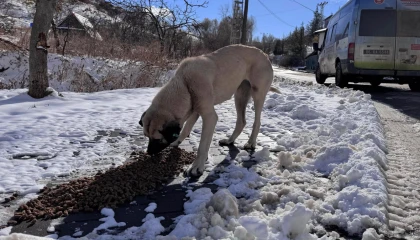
38, 49
244, 24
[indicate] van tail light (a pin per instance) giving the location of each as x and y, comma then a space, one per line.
351, 51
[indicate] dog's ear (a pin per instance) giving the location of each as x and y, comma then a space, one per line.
171, 131
141, 119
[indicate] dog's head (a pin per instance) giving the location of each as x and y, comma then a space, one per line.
161, 128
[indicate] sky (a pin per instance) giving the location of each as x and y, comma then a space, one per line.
288, 11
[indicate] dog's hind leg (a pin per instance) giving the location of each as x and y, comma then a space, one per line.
242, 96
186, 129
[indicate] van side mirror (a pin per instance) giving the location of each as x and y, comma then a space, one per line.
315, 46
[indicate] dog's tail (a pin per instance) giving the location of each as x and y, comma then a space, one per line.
273, 89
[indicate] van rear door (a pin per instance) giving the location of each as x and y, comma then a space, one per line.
375, 40
408, 35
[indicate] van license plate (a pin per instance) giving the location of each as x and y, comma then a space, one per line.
376, 52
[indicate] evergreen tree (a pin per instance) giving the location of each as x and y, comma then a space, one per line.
315, 24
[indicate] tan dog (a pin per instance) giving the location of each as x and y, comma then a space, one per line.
199, 84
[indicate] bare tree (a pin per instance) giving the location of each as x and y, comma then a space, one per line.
268, 43
38, 49
224, 11
165, 19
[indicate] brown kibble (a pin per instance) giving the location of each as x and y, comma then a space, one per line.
11, 222
33, 221
108, 189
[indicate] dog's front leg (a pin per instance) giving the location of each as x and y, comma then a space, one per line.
186, 130
209, 124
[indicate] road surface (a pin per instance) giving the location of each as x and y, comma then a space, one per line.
399, 110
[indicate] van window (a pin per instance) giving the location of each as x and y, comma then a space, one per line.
346, 31
408, 24
378, 23
342, 30
334, 30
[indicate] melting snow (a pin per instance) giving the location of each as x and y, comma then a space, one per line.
329, 171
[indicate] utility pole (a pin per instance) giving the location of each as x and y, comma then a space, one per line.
244, 24
322, 5
235, 36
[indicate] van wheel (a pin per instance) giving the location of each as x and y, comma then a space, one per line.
320, 78
340, 79
415, 86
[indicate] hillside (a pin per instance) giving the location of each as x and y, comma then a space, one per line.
19, 13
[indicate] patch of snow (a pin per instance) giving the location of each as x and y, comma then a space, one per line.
224, 203
78, 234
109, 220
5, 231
151, 208
371, 234
198, 200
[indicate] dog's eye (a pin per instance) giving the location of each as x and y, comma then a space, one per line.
169, 137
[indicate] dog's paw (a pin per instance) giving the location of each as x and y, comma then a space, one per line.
193, 173
249, 146
196, 170
225, 142
175, 144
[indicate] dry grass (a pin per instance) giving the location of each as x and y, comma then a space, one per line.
111, 48
154, 63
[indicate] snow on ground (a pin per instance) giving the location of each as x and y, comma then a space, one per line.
328, 175
59, 131
70, 73
19, 13
16, 13
151, 208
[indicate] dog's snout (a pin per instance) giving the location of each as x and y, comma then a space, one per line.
156, 146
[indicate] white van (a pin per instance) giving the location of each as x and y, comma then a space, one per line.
368, 40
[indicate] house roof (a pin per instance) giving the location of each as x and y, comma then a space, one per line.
328, 17
87, 25
84, 21
321, 30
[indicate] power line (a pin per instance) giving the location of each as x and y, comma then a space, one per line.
281, 20
262, 15
303, 5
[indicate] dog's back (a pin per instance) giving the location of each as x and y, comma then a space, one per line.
227, 68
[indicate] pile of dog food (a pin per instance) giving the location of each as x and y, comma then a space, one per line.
143, 174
